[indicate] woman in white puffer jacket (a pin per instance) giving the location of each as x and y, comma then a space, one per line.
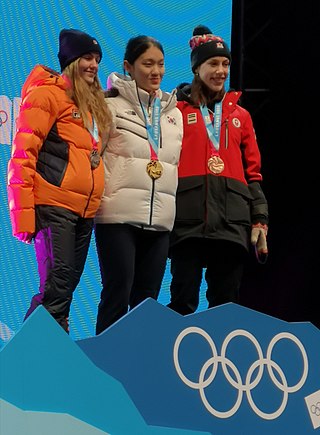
137, 211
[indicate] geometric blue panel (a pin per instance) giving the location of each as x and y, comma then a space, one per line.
227, 370
43, 370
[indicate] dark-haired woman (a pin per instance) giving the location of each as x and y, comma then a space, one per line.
141, 158
221, 208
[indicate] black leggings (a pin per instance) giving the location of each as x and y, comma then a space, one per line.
132, 264
61, 243
223, 262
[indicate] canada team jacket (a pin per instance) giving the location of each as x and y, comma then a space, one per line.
50, 158
219, 206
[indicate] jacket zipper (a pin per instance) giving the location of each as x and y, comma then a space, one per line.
151, 202
92, 189
227, 134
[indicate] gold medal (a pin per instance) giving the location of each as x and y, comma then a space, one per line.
215, 164
94, 158
154, 169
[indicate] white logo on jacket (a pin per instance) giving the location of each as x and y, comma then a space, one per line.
76, 114
236, 122
130, 112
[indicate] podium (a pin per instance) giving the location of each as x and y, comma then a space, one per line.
223, 371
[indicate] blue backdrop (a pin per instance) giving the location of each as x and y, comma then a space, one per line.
29, 35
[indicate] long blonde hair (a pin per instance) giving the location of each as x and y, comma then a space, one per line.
89, 99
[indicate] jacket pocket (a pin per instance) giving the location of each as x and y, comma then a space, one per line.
190, 200
238, 202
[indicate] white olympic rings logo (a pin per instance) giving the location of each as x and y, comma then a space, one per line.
236, 381
315, 409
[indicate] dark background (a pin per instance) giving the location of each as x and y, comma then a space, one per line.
275, 63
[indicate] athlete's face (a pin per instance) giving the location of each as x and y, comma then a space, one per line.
88, 66
214, 72
148, 69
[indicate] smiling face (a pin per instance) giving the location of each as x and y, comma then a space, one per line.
214, 72
148, 69
88, 66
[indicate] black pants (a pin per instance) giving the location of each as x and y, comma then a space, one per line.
132, 264
61, 244
224, 263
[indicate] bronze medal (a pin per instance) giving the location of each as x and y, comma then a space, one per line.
94, 159
215, 164
154, 169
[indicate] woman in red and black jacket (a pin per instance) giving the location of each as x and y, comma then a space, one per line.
220, 206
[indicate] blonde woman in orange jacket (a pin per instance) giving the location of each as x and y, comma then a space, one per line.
55, 174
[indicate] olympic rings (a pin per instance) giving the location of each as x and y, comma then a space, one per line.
315, 409
3, 117
235, 381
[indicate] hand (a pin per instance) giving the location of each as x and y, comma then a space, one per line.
259, 241
25, 237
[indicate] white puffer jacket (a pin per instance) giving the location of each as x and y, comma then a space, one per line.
130, 195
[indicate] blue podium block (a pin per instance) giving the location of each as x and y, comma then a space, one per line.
223, 371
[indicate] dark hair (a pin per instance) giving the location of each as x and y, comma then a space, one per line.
137, 45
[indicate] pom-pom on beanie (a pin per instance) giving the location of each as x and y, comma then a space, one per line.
204, 44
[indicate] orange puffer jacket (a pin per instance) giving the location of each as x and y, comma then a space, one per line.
50, 159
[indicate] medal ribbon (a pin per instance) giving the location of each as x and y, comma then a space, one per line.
213, 130
153, 130
94, 134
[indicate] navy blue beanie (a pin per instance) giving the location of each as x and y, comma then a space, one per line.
73, 44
